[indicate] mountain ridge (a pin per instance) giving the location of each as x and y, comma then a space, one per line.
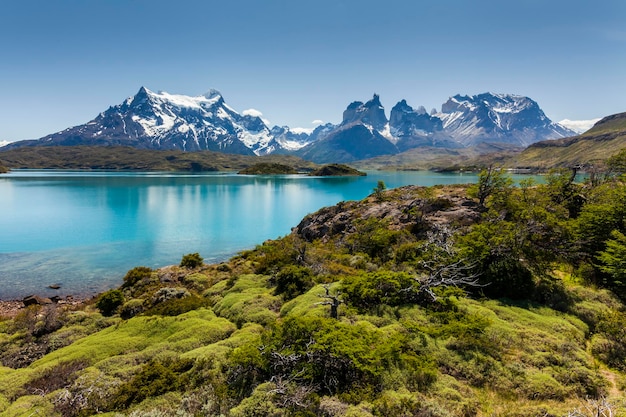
161, 120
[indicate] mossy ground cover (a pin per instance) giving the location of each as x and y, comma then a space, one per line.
264, 339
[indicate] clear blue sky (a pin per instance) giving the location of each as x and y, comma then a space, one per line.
64, 61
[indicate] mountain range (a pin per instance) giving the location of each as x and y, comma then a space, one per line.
150, 120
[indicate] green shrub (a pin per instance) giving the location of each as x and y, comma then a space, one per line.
169, 293
191, 260
177, 306
131, 308
292, 281
153, 379
367, 291
610, 342
506, 277
273, 255
374, 238
109, 301
136, 274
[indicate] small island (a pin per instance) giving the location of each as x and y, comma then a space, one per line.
336, 170
268, 168
272, 168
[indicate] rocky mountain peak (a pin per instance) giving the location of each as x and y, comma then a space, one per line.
371, 113
406, 121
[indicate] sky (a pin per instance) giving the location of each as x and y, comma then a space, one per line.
299, 62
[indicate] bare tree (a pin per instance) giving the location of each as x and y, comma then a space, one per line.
442, 269
333, 301
594, 408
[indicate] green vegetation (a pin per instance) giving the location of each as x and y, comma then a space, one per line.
336, 170
109, 301
378, 190
125, 158
482, 300
589, 150
266, 168
191, 260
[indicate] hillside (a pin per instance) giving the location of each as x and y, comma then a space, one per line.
428, 158
125, 158
607, 137
482, 300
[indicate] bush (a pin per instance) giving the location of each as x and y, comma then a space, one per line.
507, 277
169, 293
153, 379
131, 308
191, 260
367, 291
135, 275
177, 306
292, 281
272, 255
374, 238
109, 301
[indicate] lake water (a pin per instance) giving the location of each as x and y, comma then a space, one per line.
84, 230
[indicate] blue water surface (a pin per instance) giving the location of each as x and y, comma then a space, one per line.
85, 229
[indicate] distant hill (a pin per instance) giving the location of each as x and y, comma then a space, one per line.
441, 159
127, 158
605, 138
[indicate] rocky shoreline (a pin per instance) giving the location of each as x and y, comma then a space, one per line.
11, 308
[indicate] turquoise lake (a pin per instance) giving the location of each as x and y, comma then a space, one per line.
83, 230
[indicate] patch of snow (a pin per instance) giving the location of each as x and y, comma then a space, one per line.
578, 126
252, 140
291, 145
123, 123
183, 101
4, 143
386, 133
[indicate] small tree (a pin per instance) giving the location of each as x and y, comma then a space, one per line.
333, 301
109, 301
191, 260
613, 260
378, 190
491, 183
136, 274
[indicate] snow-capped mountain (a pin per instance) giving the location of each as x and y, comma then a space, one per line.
169, 121
363, 133
414, 128
503, 118
463, 121
579, 126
